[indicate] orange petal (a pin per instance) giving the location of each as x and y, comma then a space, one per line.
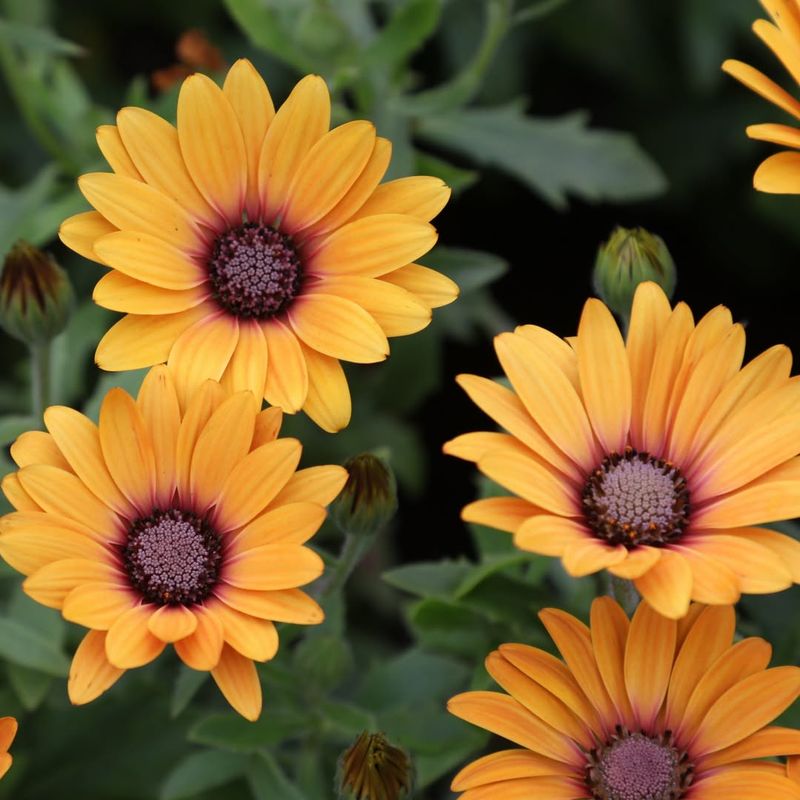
251, 637
328, 399
754, 782
639, 561
319, 485
247, 368
98, 605
506, 765
202, 649
419, 196
53, 582
275, 566
766, 743
172, 623
286, 605
712, 581
118, 292
503, 513
38, 447
667, 585
762, 85
779, 174
213, 146
551, 787
237, 679
91, 674
785, 135
649, 655
430, 286
268, 426
255, 481
287, 373
129, 643
590, 556
110, 143
16, 495
80, 232
293, 523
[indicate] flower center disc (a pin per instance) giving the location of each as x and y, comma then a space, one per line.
173, 557
255, 271
637, 767
635, 499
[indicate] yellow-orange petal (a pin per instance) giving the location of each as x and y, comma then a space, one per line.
119, 292
251, 102
338, 328
779, 174
326, 173
140, 340
605, 376
300, 122
237, 679
287, 371
154, 147
506, 765
550, 535
110, 143
285, 605
430, 286
785, 135
273, 566
649, 655
549, 786
38, 447
371, 246
590, 556
129, 643
150, 260
474, 446
221, 444
762, 85
268, 426
255, 481
667, 585
91, 674
172, 623
712, 581
80, 232
766, 743
252, 637
293, 523
247, 368
419, 196
328, 399
503, 513
53, 582
128, 449
754, 782
638, 561
314, 485
16, 494
98, 605
202, 649
131, 205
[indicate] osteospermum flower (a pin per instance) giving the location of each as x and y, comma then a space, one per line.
8, 730
653, 458
257, 247
650, 709
780, 173
160, 527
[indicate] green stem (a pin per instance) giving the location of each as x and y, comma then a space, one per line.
354, 549
625, 593
40, 379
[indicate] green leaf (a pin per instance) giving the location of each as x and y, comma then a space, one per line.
457, 178
232, 732
13, 426
18, 207
470, 269
346, 719
489, 567
200, 772
411, 24
40, 40
28, 648
443, 626
268, 781
429, 579
30, 685
324, 660
537, 11
187, 684
553, 157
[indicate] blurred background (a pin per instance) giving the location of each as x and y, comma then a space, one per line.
554, 121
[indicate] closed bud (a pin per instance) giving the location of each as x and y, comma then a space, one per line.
35, 295
369, 498
373, 769
627, 259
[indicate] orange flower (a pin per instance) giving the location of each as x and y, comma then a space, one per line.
650, 709
257, 247
8, 730
166, 527
651, 458
779, 174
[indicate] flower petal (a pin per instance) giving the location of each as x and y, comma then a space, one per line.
110, 143
202, 649
287, 372
252, 637
247, 368
129, 643
667, 585
419, 196
590, 556
53, 582
503, 513
313, 485
328, 400
506, 765
430, 286
98, 605
273, 566
80, 232
293, 523
91, 674
172, 623
119, 292
286, 605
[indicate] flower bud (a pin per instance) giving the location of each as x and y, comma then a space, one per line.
369, 498
35, 295
627, 259
373, 769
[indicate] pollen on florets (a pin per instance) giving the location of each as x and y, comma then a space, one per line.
636, 499
254, 271
173, 557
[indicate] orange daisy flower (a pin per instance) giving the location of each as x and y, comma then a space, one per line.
8, 730
646, 709
161, 527
652, 458
779, 174
256, 247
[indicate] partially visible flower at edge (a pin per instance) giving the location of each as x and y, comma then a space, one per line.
256, 247
780, 173
195, 53
372, 768
646, 708
8, 730
653, 458
160, 526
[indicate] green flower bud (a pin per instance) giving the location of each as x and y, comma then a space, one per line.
369, 498
374, 769
627, 259
35, 295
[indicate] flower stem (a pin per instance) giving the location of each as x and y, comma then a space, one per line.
40, 378
624, 592
353, 550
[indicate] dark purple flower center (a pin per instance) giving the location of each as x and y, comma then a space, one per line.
255, 271
636, 499
638, 767
173, 557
